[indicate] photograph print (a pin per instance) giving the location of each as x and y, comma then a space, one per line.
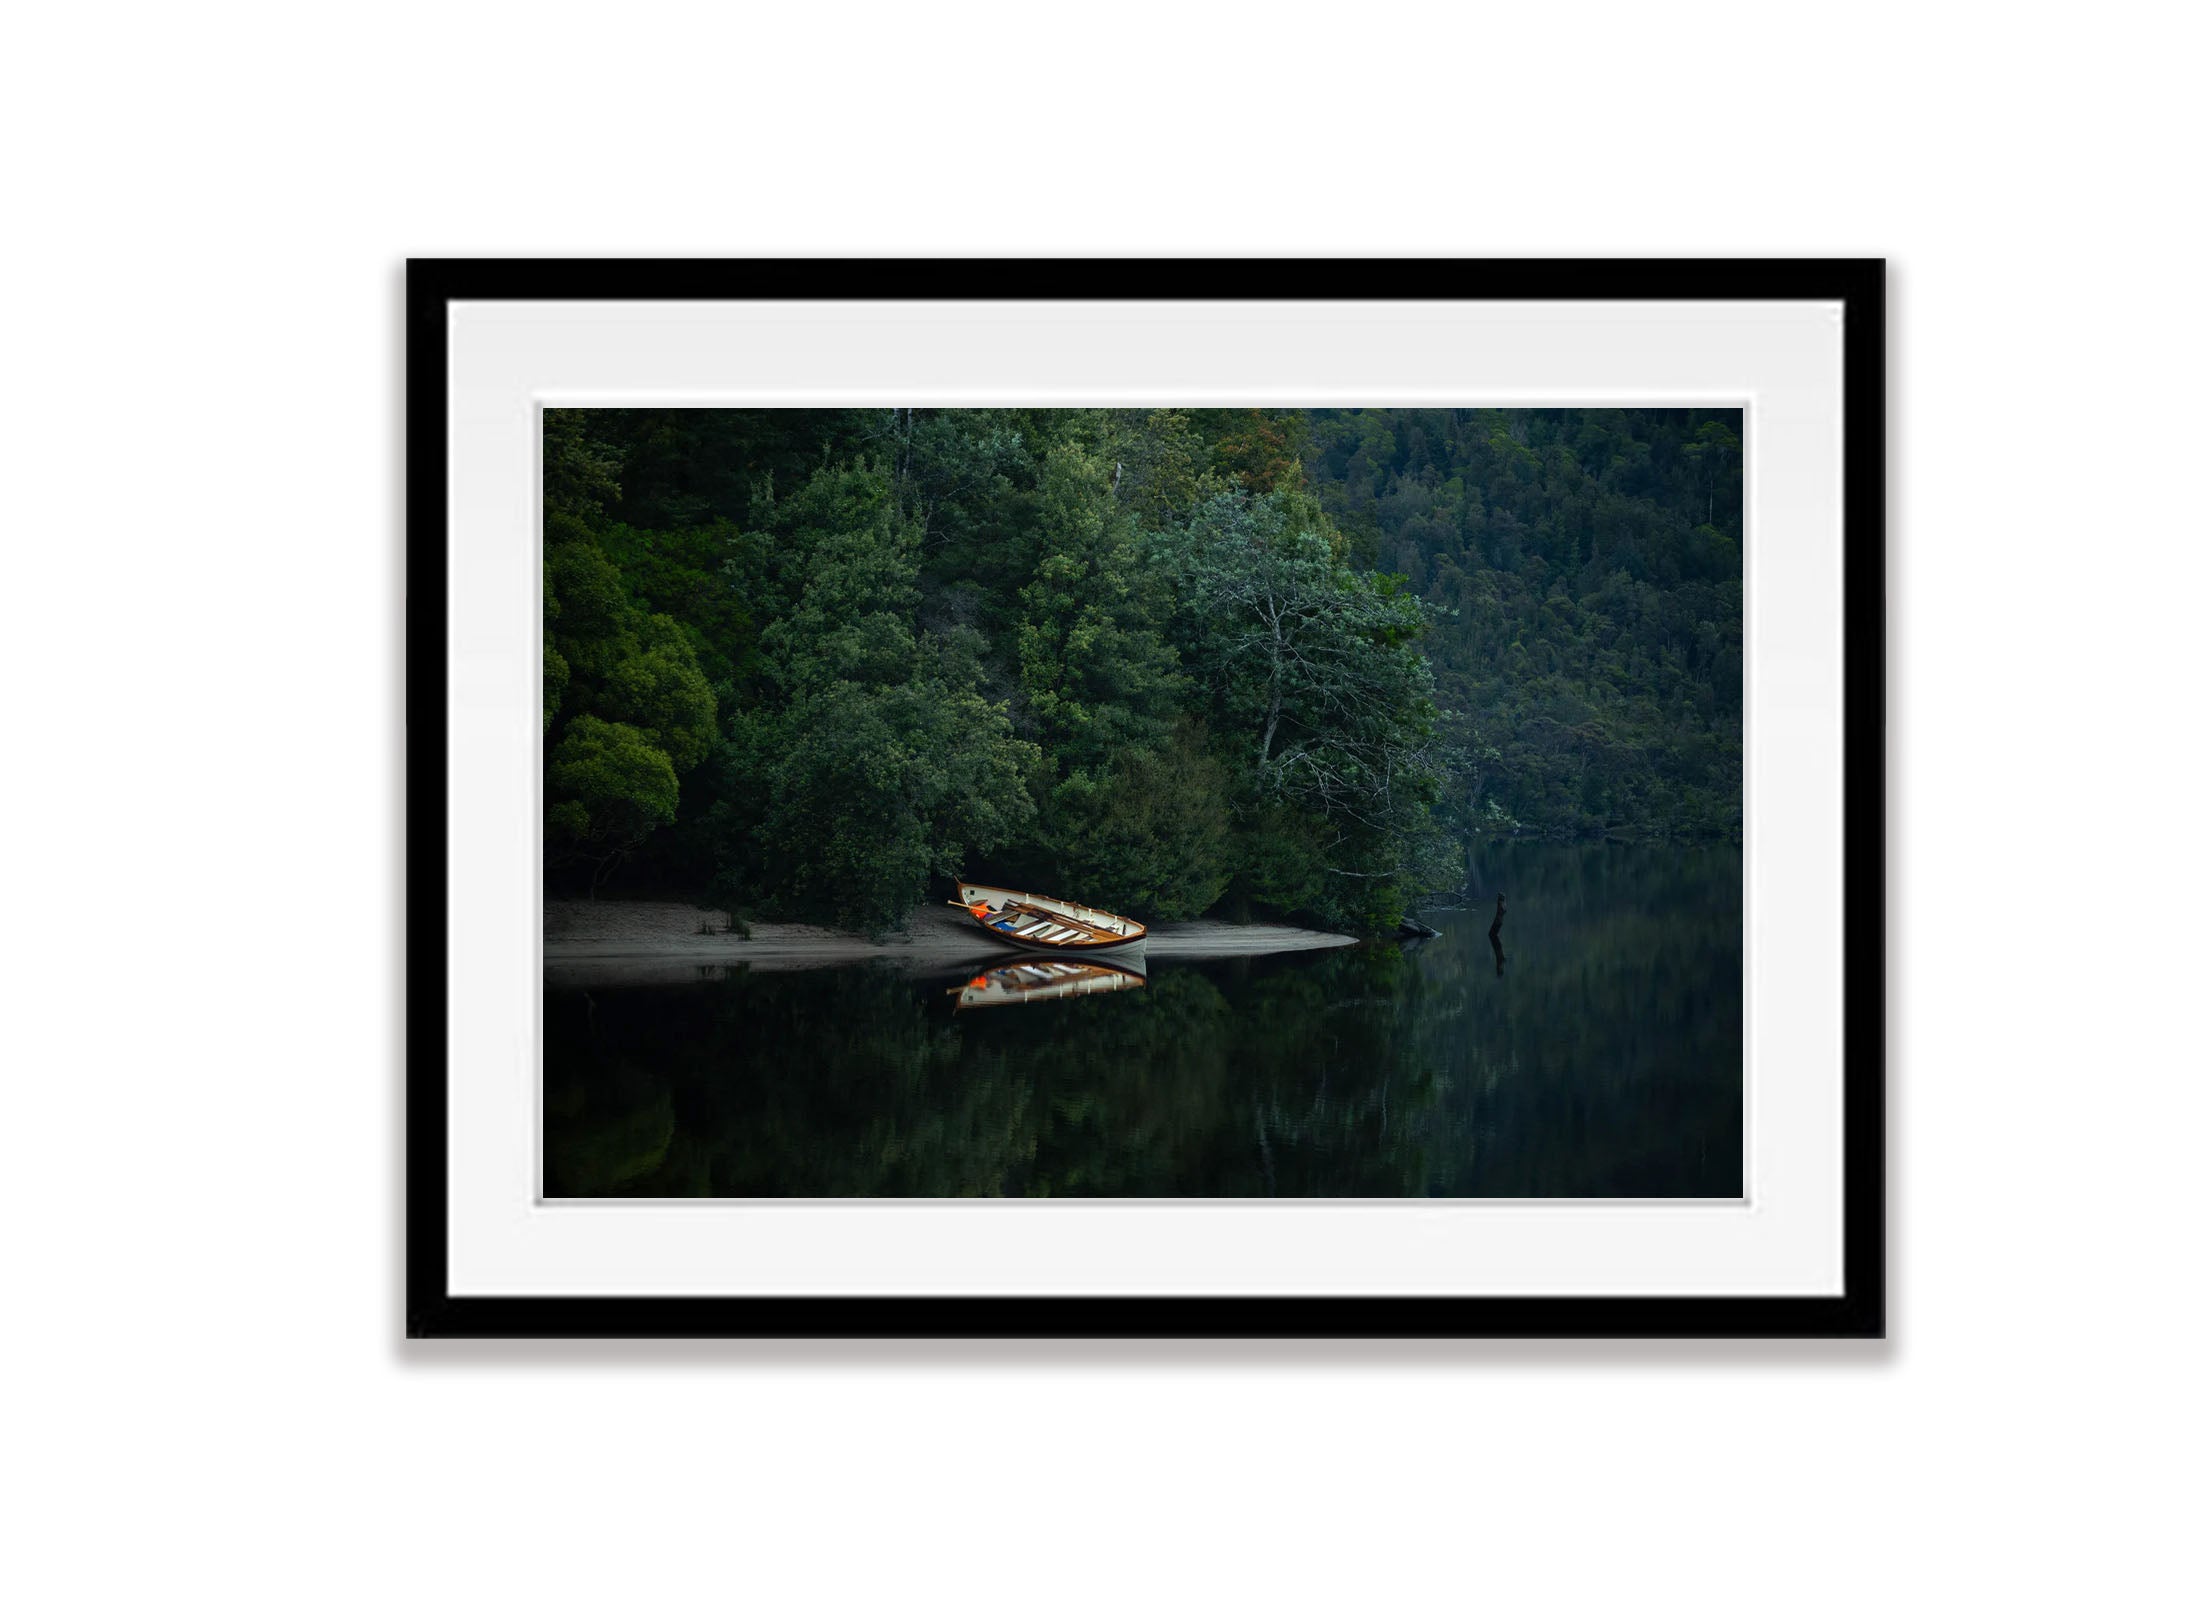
1123, 803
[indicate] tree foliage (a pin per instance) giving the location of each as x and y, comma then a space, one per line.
626, 708
871, 760
814, 662
1583, 570
609, 786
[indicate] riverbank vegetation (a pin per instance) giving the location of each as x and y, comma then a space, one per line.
1276, 663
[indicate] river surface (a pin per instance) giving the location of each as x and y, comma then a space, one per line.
1596, 1053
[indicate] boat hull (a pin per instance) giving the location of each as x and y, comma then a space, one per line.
1023, 920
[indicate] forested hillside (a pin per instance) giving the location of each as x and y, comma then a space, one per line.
805, 663
1583, 570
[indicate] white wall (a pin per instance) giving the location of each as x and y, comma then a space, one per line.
207, 208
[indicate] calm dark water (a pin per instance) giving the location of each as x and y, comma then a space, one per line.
1604, 1059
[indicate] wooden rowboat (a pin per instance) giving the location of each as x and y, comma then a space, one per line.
1041, 922
1021, 982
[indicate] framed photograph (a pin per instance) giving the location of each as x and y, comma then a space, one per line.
1069, 798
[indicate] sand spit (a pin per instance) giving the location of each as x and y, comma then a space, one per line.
637, 941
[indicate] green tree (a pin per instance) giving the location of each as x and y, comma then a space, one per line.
626, 708
1158, 463
875, 761
1096, 672
1314, 666
1132, 809
609, 786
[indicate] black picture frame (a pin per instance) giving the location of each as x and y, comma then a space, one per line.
432, 1311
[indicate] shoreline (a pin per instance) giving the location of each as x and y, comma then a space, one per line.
664, 941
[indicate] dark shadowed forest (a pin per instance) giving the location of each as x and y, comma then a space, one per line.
1284, 664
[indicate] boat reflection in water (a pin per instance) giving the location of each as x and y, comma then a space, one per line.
1020, 982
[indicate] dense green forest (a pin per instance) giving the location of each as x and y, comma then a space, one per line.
807, 663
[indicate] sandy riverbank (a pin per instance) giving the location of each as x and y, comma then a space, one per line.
607, 941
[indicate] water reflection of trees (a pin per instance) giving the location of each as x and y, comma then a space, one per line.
848, 1083
1607, 1059
1605, 1062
